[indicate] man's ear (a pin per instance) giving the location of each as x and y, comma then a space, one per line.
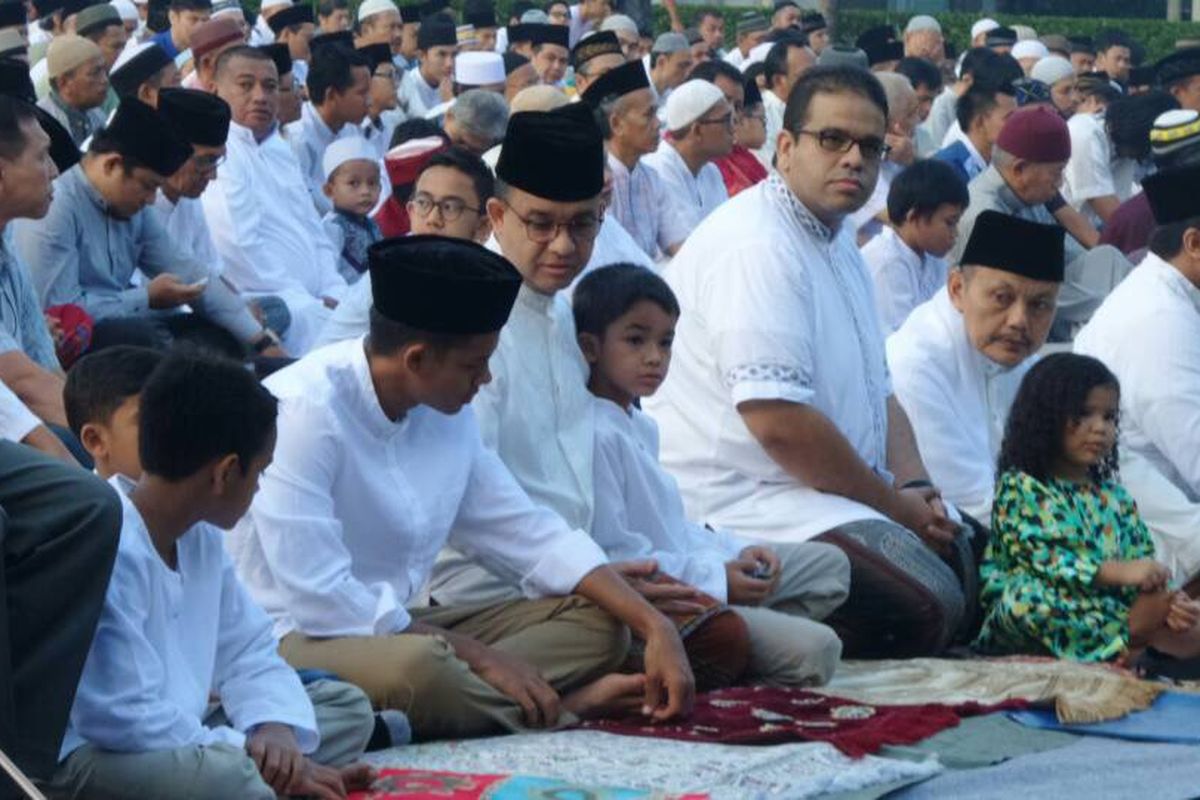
956, 286
589, 344
495, 213
415, 357
1191, 243
223, 473
94, 441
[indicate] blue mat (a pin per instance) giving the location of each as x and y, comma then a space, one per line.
1174, 718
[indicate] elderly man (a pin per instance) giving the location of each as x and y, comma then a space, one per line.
670, 62
99, 231
700, 121
869, 220
1026, 170
261, 216
142, 72
1148, 332
625, 112
338, 85
78, 85
786, 61
778, 417
923, 39
208, 42
594, 55
751, 29
958, 359
431, 82
379, 22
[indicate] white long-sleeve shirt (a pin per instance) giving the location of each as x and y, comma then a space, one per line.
16, 420
349, 518
168, 639
184, 222
773, 109
903, 279
1148, 333
956, 399
639, 513
695, 195
309, 136
269, 235
537, 414
642, 204
776, 306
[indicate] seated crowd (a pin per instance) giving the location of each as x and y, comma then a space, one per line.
385, 379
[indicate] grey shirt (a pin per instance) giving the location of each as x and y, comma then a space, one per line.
80, 253
80, 124
22, 325
989, 192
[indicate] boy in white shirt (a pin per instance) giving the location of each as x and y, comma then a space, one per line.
625, 316
179, 630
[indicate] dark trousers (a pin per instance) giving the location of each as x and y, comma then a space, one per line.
161, 331
59, 527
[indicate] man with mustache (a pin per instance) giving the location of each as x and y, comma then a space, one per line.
778, 418
959, 358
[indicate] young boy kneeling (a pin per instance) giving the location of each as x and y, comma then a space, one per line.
178, 630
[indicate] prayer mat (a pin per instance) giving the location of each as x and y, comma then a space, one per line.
724, 772
981, 742
1078, 692
1173, 718
416, 784
770, 715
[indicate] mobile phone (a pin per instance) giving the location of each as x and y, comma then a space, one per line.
762, 572
200, 284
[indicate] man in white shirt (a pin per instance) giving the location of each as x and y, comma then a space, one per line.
141, 71
958, 361
593, 56
1089, 175
786, 61
178, 629
869, 220
380, 22
752, 27
379, 464
339, 81
641, 203
700, 121
1147, 332
669, 62
549, 52
259, 210
431, 82
778, 417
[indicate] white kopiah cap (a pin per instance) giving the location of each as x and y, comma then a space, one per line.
274, 4
1052, 69
352, 148
690, 102
985, 25
1029, 48
922, 22
475, 68
372, 7
126, 9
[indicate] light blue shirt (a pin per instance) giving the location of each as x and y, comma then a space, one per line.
22, 326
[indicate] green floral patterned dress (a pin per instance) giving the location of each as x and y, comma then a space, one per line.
1039, 592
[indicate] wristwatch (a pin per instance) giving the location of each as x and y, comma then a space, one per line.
267, 340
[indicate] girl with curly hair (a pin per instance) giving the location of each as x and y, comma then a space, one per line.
1070, 570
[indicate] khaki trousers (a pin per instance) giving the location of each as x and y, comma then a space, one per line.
787, 647
344, 720
570, 641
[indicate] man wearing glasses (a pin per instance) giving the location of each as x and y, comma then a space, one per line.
701, 123
778, 417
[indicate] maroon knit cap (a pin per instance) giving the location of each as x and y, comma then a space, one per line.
1036, 134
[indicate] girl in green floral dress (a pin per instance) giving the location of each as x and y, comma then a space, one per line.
1070, 569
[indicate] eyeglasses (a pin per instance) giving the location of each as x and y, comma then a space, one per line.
451, 207
726, 120
755, 118
582, 228
834, 141
208, 163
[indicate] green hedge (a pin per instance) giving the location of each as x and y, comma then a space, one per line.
1156, 35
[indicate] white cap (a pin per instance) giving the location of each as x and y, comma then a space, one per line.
372, 7
131, 52
985, 25
1029, 48
1052, 69
477, 68
922, 22
351, 148
227, 8
273, 4
757, 53
690, 101
414, 147
618, 23
141, 2
126, 9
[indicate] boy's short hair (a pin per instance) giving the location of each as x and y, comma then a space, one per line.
923, 188
196, 409
919, 71
469, 164
101, 381
607, 293
387, 337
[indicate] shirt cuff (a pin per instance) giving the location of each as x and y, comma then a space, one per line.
745, 391
565, 561
135, 300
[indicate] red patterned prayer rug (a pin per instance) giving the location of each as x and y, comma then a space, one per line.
416, 784
765, 715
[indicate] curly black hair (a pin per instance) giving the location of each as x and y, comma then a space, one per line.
1052, 395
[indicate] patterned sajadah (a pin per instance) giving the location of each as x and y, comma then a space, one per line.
417, 784
765, 715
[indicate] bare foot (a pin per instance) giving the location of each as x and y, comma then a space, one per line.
358, 777
612, 695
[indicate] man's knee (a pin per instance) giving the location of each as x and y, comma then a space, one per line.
187, 773
601, 634
345, 720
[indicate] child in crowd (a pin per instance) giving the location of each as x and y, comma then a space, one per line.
1070, 571
352, 184
625, 319
924, 205
178, 629
101, 397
